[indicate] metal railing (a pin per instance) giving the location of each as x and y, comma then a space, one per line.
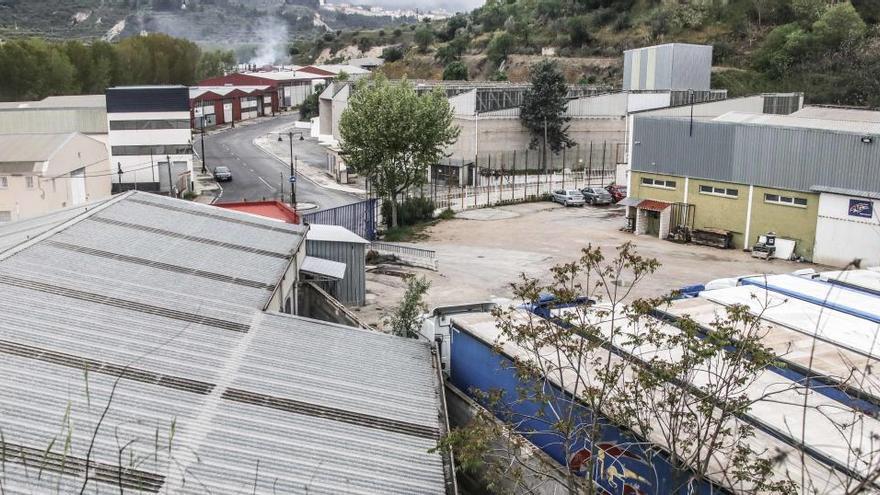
413, 256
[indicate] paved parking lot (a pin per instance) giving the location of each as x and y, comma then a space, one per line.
482, 251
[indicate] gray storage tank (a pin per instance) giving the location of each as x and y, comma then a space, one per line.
673, 66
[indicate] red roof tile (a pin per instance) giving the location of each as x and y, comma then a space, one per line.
268, 209
652, 205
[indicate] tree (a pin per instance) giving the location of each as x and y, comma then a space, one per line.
404, 320
621, 368
500, 47
455, 71
392, 54
310, 106
579, 31
423, 38
451, 51
544, 108
216, 63
391, 134
838, 25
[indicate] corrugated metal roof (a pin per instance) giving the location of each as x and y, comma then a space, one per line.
333, 233
797, 121
31, 147
73, 101
14, 233
196, 91
837, 113
327, 268
160, 300
796, 158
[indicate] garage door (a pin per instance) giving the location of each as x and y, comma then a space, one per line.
848, 228
77, 187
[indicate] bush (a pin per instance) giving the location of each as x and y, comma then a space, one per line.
410, 211
447, 214
455, 71
424, 37
392, 54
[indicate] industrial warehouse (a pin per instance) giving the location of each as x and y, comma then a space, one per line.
810, 178
158, 344
590, 270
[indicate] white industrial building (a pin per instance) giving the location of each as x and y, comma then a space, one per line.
145, 347
150, 138
41, 173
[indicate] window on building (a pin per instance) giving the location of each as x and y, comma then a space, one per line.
666, 184
29, 181
5, 216
158, 150
785, 200
148, 125
4, 182
720, 191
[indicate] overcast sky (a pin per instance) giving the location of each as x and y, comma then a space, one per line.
450, 5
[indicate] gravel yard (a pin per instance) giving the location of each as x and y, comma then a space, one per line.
482, 251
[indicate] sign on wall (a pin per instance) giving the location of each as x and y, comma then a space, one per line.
862, 208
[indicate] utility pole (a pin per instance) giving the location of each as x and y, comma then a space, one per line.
204, 158
691, 98
544, 153
170, 180
292, 174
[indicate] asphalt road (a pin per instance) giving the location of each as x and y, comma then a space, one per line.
257, 175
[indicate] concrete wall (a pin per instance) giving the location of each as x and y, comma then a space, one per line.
722, 212
325, 117
486, 135
285, 298
53, 187
642, 191
53, 120
315, 303
789, 222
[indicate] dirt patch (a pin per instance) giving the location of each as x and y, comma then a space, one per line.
478, 260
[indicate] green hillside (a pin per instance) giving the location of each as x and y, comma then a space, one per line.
828, 50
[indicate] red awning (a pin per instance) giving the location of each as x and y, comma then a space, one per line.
651, 205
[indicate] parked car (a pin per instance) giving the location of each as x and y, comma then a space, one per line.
222, 174
596, 196
568, 197
616, 191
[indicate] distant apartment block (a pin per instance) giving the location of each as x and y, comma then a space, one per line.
150, 138
41, 173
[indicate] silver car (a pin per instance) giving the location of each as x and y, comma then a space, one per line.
568, 197
222, 174
597, 196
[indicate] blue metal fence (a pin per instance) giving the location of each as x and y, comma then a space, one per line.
359, 218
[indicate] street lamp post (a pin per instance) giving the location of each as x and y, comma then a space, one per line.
204, 158
293, 164
292, 173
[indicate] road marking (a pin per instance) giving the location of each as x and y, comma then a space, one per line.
267, 184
